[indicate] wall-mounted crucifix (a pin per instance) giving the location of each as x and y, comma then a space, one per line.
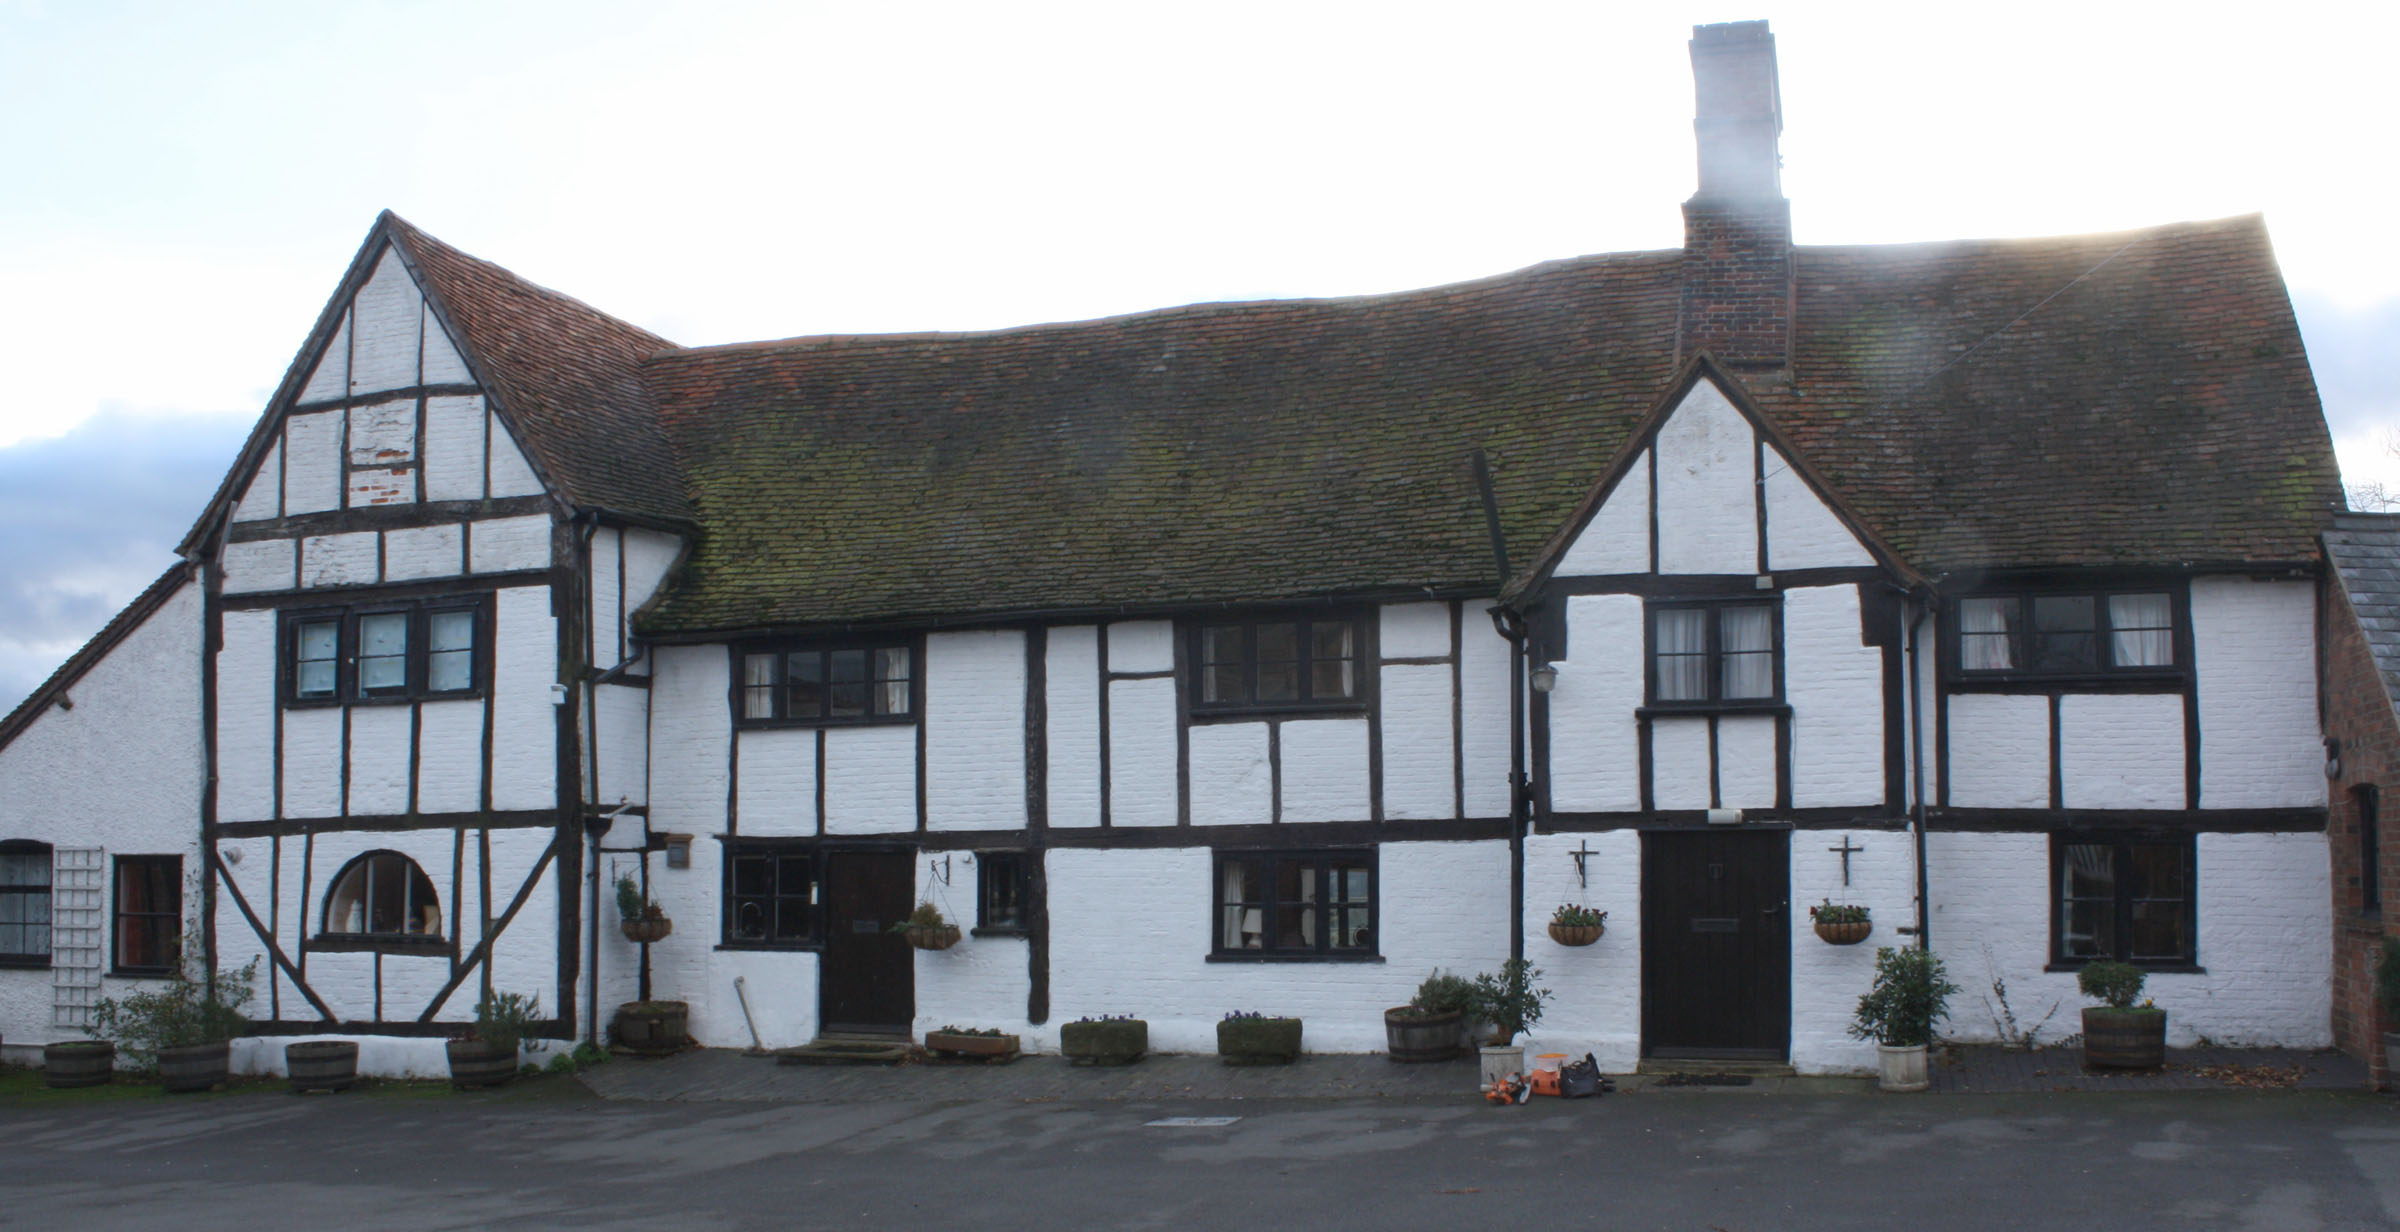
1845, 849
1583, 851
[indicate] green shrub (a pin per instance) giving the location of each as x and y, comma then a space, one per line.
504, 1019
190, 1009
1909, 995
629, 897
1443, 992
1509, 1001
2115, 983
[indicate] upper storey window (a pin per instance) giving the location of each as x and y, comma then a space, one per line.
2079, 633
1713, 654
426, 649
1276, 664
827, 684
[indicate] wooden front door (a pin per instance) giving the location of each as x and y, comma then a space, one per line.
1716, 944
868, 984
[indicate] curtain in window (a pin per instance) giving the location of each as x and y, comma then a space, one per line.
1682, 650
25, 904
1747, 638
2141, 627
1983, 634
1244, 922
758, 686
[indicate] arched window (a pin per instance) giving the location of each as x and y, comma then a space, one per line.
383, 894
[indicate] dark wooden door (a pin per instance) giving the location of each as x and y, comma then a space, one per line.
869, 981
1716, 944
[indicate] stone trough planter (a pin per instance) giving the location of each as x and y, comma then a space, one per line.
1259, 1041
1113, 1041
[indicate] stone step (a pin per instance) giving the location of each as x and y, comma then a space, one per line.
1700, 1070
846, 1050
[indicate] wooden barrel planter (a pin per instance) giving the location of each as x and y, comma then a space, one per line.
925, 937
321, 1065
79, 1063
196, 1068
1576, 934
651, 1028
1414, 1035
1849, 933
2124, 1039
474, 1063
1114, 1041
1258, 1041
646, 928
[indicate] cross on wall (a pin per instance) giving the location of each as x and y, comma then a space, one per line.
1845, 849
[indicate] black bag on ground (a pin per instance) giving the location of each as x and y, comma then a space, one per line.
1578, 1079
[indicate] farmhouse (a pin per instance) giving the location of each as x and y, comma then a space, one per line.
1241, 656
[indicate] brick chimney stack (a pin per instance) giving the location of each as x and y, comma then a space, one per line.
1737, 230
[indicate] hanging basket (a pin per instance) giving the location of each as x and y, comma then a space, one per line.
1849, 933
933, 937
1576, 934
651, 925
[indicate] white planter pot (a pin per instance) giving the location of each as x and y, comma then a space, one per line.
1903, 1068
1499, 1062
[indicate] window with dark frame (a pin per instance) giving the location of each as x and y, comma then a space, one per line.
1292, 664
382, 895
2123, 897
872, 683
2081, 633
771, 896
2363, 805
24, 904
421, 650
149, 914
1002, 891
1713, 654
1302, 904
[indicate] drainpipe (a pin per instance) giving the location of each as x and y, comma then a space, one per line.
1916, 757
1511, 624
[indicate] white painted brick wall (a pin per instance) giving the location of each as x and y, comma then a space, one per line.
265, 489
121, 772
384, 319
600, 585
441, 364
330, 379
1485, 713
525, 956
1617, 539
379, 739
1414, 630
524, 720
312, 462
1707, 515
2255, 646
454, 427
415, 552
1999, 751
870, 779
1072, 664
1596, 1003
1141, 749
246, 717
511, 474
1679, 762
261, 564
980, 982
975, 730
1141, 646
1418, 756
1827, 980
621, 717
1231, 780
1835, 687
2121, 751
777, 782
1595, 748
383, 433
690, 730
501, 545
450, 756
339, 560
312, 762
1746, 762
1802, 531
1325, 770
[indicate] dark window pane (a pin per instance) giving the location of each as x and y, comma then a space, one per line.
753, 875
791, 919
1332, 680
804, 680
1295, 928
2158, 931
2089, 929
749, 919
1222, 683
1278, 642
846, 698
1221, 644
795, 875
2064, 633
1278, 682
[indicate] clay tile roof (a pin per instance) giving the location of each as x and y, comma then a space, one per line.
2093, 400
565, 375
2364, 549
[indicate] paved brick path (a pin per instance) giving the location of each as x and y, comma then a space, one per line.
721, 1074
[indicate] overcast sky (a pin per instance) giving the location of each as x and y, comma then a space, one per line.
182, 184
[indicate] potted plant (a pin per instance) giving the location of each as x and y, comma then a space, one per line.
485, 1055
1841, 923
1246, 1037
2387, 994
2119, 1034
1576, 925
1433, 1022
183, 1028
641, 920
1910, 993
927, 930
79, 1063
1510, 1004
651, 1028
1110, 1039
983, 1043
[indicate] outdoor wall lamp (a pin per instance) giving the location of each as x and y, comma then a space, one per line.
1545, 678
2333, 757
